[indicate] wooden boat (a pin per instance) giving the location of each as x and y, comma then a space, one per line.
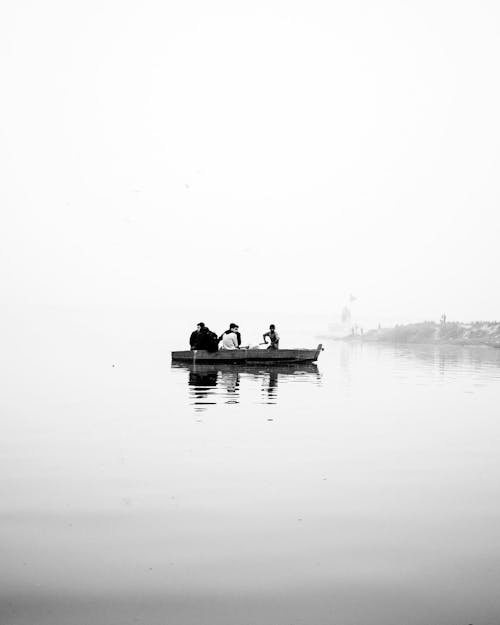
257, 369
248, 356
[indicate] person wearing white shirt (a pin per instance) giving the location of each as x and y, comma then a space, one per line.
233, 327
229, 340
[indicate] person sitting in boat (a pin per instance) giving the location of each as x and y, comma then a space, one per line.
210, 340
272, 335
196, 336
204, 338
233, 328
230, 338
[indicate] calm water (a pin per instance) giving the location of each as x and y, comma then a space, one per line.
363, 490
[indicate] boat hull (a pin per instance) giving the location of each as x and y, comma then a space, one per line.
248, 356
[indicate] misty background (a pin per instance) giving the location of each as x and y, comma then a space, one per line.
165, 163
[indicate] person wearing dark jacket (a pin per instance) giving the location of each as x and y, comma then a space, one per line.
233, 327
197, 336
203, 338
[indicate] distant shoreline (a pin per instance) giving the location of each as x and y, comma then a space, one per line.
443, 333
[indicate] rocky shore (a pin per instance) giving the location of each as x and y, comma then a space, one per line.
447, 333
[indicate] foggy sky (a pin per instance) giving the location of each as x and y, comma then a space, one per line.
249, 156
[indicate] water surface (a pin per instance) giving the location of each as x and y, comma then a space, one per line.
360, 490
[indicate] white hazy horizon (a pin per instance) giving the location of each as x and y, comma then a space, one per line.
259, 159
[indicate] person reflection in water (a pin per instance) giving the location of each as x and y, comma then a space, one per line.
272, 386
230, 381
203, 383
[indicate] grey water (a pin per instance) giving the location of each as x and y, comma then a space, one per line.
360, 490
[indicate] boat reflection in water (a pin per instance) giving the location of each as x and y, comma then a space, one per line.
210, 384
